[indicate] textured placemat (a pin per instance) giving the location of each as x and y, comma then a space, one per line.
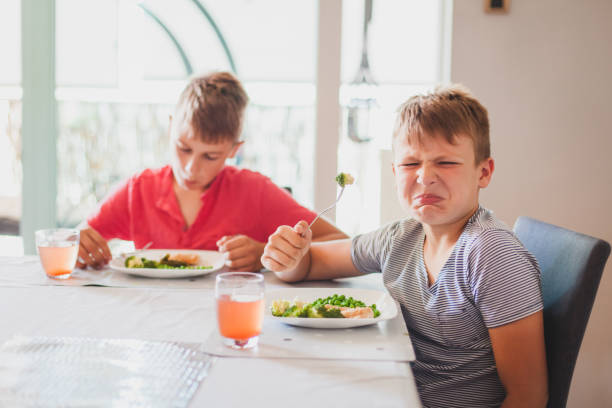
49, 372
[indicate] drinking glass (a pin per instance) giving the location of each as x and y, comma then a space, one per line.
240, 308
58, 249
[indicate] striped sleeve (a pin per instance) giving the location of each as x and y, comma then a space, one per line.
504, 278
369, 250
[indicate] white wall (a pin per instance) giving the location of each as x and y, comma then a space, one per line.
544, 71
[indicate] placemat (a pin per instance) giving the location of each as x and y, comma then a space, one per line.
384, 341
42, 371
27, 270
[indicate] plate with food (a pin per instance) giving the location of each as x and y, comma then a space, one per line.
329, 308
169, 263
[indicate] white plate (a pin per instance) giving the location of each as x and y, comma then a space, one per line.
210, 258
384, 303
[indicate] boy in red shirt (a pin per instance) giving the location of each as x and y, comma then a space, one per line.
198, 202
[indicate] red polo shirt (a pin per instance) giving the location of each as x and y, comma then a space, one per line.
144, 209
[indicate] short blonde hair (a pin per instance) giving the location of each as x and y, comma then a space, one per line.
214, 106
448, 111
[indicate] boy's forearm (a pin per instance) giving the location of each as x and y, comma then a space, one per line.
330, 237
324, 260
331, 260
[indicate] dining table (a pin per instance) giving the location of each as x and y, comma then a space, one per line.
107, 338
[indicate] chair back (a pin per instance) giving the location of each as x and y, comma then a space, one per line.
571, 265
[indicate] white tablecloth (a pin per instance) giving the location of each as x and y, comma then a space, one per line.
187, 315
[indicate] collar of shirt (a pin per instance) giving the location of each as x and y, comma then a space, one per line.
167, 201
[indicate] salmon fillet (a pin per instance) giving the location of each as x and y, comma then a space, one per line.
354, 312
191, 259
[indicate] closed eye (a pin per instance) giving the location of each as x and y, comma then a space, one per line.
412, 164
211, 157
448, 163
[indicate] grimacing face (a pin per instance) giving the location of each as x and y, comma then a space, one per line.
438, 182
195, 163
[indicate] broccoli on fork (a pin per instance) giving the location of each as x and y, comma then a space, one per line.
344, 179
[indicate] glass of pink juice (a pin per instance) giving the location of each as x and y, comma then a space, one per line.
240, 308
58, 249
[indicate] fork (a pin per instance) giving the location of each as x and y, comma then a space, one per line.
328, 208
144, 248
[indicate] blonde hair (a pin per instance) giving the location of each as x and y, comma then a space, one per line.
214, 106
448, 111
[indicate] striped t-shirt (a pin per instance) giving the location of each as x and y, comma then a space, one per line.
489, 280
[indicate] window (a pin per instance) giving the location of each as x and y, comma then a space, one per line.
122, 64
10, 125
405, 55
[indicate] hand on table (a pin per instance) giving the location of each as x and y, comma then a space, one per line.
286, 247
241, 252
93, 250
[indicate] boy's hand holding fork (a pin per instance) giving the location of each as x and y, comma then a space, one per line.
286, 249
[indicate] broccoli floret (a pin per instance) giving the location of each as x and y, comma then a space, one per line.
303, 311
296, 311
279, 307
332, 312
283, 308
289, 311
133, 262
320, 311
313, 312
147, 263
344, 179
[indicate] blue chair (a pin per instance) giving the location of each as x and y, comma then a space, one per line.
571, 265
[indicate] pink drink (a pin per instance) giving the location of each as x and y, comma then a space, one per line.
59, 260
240, 318
240, 308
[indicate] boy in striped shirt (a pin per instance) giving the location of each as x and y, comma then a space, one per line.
469, 292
